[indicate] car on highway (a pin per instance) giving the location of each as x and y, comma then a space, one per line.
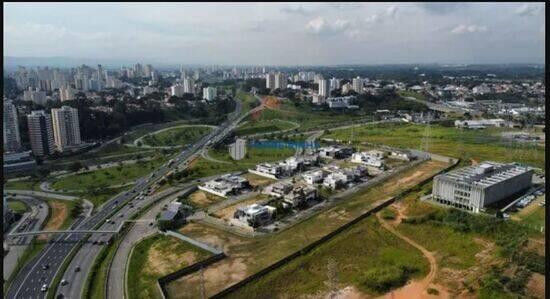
45, 267
44, 288
108, 220
64, 282
77, 269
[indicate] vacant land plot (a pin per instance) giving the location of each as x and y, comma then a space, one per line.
256, 180
203, 199
59, 216
365, 257
247, 256
103, 178
468, 145
155, 257
178, 136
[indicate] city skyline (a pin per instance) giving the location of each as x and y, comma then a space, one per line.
279, 33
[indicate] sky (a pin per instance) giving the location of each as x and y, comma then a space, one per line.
279, 33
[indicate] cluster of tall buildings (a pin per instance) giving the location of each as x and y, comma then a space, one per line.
37, 82
185, 85
57, 131
276, 81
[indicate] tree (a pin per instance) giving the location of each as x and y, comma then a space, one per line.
76, 166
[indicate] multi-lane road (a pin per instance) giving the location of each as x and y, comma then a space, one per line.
42, 270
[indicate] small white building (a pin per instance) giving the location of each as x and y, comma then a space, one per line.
313, 177
367, 159
225, 185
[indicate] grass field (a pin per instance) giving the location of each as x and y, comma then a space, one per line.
308, 118
176, 136
203, 167
247, 256
360, 255
454, 250
28, 184
17, 206
103, 178
414, 94
533, 215
256, 127
155, 257
465, 144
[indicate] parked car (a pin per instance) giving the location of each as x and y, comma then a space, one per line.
44, 288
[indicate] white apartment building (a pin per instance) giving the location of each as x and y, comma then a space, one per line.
36, 96
270, 81
334, 84
66, 127
346, 88
237, 150
280, 81
40, 133
323, 88
358, 85
177, 90
12, 138
189, 85
66, 93
209, 93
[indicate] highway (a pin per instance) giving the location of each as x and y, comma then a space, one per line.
30, 221
44, 267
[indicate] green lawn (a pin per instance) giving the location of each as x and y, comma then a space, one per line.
17, 206
29, 184
155, 257
413, 94
176, 136
263, 126
366, 256
247, 99
465, 144
103, 178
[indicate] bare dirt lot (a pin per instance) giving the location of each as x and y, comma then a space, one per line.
58, 213
203, 199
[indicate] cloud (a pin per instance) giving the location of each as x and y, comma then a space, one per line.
391, 11
344, 5
296, 9
461, 29
321, 26
373, 19
527, 10
442, 8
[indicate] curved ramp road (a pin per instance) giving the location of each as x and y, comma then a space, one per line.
28, 282
38, 215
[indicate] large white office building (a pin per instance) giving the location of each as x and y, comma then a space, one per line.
66, 127
40, 133
189, 85
474, 187
12, 138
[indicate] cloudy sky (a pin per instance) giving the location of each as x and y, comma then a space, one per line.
279, 33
